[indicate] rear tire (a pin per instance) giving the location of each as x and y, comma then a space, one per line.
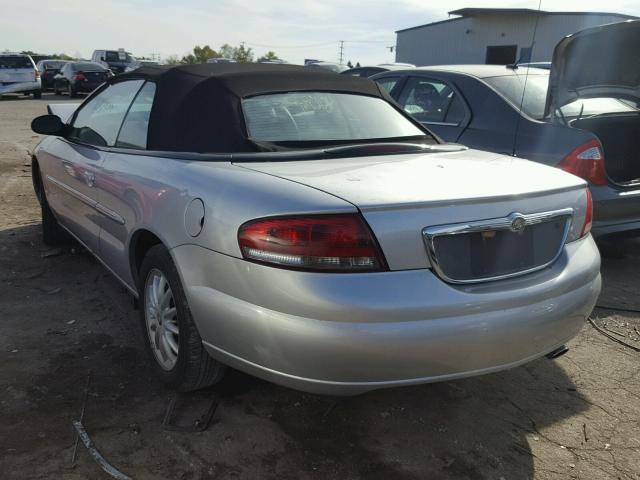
190, 367
72, 93
37, 94
52, 233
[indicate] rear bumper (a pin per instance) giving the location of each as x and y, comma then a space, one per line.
615, 211
347, 334
20, 87
86, 87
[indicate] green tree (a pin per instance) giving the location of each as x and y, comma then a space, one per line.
240, 54
270, 56
243, 55
199, 55
203, 54
226, 51
173, 60
189, 59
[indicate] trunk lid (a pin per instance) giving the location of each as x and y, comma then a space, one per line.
401, 196
596, 62
394, 181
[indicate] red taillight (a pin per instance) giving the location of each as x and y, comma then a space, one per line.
78, 77
586, 161
37, 74
588, 215
341, 243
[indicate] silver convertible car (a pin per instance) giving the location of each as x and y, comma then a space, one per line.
299, 226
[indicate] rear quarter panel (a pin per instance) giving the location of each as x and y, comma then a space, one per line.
498, 126
153, 193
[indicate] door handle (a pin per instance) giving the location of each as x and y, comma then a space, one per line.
89, 178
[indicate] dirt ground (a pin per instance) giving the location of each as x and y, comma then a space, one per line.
64, 319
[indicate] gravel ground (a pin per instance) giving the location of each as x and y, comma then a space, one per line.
66, 320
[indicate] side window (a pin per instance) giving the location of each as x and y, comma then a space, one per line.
429, 100
99, 120
133, 133
456, 112
388, 83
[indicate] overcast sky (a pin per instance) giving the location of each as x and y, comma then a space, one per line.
295, 30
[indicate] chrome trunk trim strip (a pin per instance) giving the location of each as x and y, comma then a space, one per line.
514, 222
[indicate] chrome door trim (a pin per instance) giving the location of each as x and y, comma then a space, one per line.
442, 124
98, 207
107, 212
510, 222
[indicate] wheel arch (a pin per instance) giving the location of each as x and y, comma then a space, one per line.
36, 178
141, 242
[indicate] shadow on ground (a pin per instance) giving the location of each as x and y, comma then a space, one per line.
65, 318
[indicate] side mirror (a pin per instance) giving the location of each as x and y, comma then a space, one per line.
102, 59
48, 125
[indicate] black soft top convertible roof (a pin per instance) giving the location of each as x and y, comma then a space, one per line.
197, 108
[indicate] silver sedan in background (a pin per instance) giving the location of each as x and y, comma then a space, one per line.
299, 226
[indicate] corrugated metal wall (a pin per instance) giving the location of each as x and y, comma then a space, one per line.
465, 40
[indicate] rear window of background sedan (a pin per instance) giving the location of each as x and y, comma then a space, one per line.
317, 116
53, 65
535, 97
87, 67
15, 62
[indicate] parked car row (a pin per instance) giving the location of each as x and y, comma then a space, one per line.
19, 74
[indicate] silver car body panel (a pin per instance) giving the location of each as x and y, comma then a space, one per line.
323, 332
400, 195
346, 334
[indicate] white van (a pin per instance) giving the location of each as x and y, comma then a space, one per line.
18, 74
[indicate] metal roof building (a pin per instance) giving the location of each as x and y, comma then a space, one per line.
494, 35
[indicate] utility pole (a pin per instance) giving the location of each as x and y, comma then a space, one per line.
341, 51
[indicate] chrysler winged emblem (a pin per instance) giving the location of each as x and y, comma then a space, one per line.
518, 224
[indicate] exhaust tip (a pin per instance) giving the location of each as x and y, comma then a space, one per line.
558, 352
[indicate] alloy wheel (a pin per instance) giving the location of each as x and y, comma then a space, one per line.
161, 319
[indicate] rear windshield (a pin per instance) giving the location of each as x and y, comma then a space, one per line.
535, 96
15, 62
88, 67
320, 116
53, 65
